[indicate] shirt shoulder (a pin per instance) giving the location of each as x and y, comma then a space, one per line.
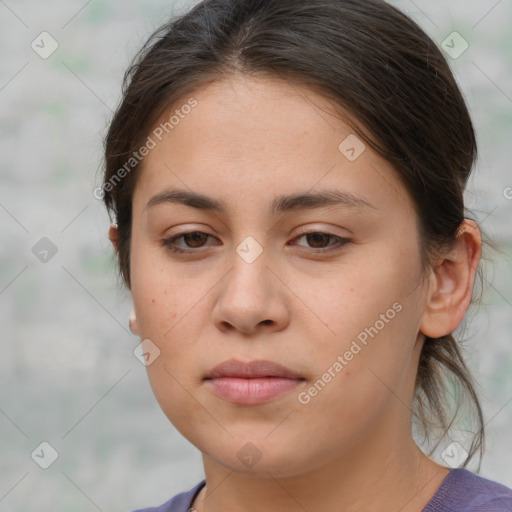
180, 503
464, 491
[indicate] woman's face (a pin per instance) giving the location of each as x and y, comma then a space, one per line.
340, 308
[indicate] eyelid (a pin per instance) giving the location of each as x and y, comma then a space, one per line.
309, 228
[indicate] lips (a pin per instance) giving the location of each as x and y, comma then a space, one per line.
251, 370
251, 383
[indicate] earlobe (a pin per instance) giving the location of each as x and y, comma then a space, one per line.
132, 323
451, 283
113, 236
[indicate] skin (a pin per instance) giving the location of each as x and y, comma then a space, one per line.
350, 448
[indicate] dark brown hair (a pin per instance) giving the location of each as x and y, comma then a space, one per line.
371, 60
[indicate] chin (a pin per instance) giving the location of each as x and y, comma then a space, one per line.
255, 456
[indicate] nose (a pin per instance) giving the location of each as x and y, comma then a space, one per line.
252, 298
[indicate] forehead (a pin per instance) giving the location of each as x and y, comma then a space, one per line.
246, 138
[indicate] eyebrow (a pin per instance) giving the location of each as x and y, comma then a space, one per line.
281, 204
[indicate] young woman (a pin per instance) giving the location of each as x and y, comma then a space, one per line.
286, 179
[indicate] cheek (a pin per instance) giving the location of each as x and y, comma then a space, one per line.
368, 313
352, 296
162, 294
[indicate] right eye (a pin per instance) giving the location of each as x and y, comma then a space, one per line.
193, 240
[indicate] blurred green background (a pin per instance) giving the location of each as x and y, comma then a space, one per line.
68, 373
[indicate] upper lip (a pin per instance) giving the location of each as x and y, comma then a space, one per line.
251, 370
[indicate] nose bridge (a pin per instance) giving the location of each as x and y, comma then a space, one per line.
250, 295
249, 273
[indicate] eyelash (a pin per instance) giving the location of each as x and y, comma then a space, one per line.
168, 243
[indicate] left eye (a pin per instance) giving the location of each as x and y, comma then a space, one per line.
319, 240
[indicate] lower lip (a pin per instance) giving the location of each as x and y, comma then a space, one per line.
251, 391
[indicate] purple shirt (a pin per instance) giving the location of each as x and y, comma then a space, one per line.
460, 491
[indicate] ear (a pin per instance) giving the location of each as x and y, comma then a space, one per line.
114, 236
451, 283
134, 326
